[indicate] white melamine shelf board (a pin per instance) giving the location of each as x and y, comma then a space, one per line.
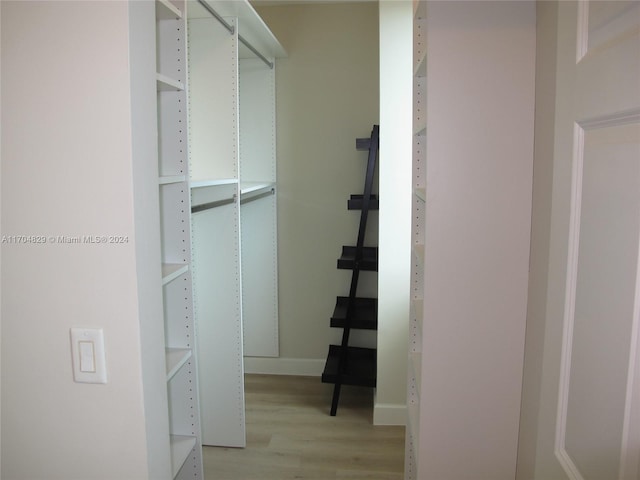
257, 132
420, 128
181, 447
169, 179
255, 187
212, 182
213, 100
250, 26
165, 10
168, 84
171, 271
420, 193
175, 358
259, 265
216, 283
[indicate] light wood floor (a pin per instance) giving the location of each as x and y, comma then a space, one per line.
290, 435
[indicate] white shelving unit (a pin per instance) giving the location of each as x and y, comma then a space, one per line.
470, 236
258, 212
175, 218
412, 443
232, 181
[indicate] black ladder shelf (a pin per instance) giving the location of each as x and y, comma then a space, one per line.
349, 365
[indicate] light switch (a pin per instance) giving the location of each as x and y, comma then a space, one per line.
87, 348
87, 358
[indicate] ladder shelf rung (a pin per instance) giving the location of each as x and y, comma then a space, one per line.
360, 367
363, 314
367, 262
356, 202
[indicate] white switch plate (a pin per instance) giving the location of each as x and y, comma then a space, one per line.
87, 348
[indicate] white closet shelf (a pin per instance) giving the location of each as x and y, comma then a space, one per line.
420, 127
168, 179
181, 447
165, 10
251, 26
420, 193
168, 84
255, 187
212, 182
175, 359
171, 271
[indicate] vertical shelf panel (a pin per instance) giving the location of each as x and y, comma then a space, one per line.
172, 131
259, 216
184, 420
259, 277
419, 172
419, 184
171, 41
175, 217
218, 303
178, 301
213, 100
175, 220
181, 447
257, 121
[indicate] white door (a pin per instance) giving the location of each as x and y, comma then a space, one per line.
589, 424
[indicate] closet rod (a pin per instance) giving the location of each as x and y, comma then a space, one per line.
257, 53
217, 17
256, 197
210, 205
231, 31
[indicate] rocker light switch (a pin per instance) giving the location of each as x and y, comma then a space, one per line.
87, 357
87, 348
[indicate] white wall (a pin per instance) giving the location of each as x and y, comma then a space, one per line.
67, 171
480, 112
396, 68
327, 96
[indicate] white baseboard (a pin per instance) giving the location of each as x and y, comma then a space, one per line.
307, 367
389, 414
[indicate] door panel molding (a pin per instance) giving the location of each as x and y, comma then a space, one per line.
629, 455
624, 117
569, 311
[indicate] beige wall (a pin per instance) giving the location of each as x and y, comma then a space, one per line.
327, 96
66, 171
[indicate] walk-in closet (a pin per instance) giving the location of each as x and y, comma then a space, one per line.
233, 61
232, 152
176, 178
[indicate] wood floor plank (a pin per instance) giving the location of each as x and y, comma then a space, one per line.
290, 435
